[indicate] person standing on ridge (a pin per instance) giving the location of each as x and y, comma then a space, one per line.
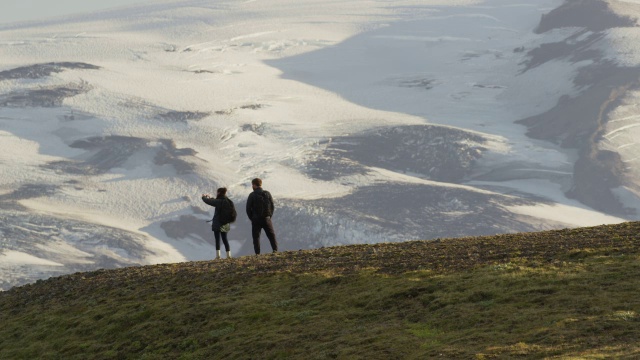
260, 210
223, 216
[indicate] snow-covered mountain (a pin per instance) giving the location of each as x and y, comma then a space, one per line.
368, 121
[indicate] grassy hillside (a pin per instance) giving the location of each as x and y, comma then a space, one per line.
569, 294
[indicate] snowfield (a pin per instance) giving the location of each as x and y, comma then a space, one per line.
368, 121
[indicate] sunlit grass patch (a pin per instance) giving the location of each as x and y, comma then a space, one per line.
625, 315
428, 335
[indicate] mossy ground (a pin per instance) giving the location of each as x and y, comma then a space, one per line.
569, 294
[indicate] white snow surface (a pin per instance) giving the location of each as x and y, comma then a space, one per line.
277, 81
13, 258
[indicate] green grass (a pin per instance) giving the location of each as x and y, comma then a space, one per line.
570, 294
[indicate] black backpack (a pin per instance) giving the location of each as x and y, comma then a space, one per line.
228, 212
262, 205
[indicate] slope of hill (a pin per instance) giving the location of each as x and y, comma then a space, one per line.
558, 294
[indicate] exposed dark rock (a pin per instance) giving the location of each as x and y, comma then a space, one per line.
579, 122
170, 48
27, 191
198, 211
188, 227
331, 164
594, 177
593, 15
482, 86
437, 152
108, 152
426, 84
574, 49
168, 154
574, 120
182, 116
256, 128
252, 106
43, 97
39, 71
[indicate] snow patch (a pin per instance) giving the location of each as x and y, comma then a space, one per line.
11, 258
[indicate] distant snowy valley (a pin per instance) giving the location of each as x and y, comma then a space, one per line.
369, 121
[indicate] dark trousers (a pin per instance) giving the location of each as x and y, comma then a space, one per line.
257, 226
218, 235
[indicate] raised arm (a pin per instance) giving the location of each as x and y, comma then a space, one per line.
211, 201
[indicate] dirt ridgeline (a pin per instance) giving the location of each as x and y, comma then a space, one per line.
531, 249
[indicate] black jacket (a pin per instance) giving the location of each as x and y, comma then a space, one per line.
252, 212
217, 203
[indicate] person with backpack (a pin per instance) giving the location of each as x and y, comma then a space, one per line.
260, 210
223, 216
